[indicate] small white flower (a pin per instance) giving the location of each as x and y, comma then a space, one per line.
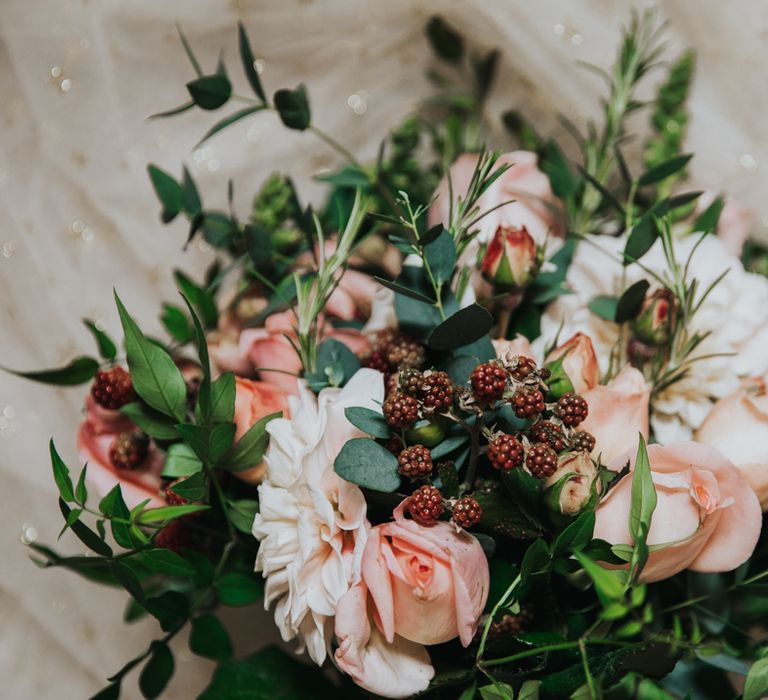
735, 314
312, 524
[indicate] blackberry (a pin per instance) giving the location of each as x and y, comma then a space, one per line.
415, 462
524, 367
112, 388
435, 391
572, 409
541, 460
128, 450
376, 360
400, 410
527, 402
404, 352
582, 440
505, 452
549, 433
467, 512
488, 382
410, 379
425, 505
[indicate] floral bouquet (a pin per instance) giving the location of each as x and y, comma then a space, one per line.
481, 425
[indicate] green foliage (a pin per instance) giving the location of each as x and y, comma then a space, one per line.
366, 463
446, 42
293, 108
209, 638
78, 371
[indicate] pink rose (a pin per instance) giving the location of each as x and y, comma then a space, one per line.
427, 584
580, 362
398, 669
706, 513
618, 411
268, 348
535, 207
253, 401
737, 426
734, 225
512, 258
519, 345
95, 437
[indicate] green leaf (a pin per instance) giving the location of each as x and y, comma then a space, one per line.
441, 257
630, 301
158, 515
497, 691
604, 306
127, 579
502, 516
366, 463
157, 671
192, 203
181, 461
209, 638
105, 344
269, 674
173, 111
405, 291
445, 41
756, 685
249, 450
113, 506
155, 376
246, 56
576, 536
347, 176
529, 690
609, 585
72, 517
664, 170
204, 392
643, 501
371, 422
81, 490
242, 514
152, 422
164, 561
177, 324
465, 326
258, 239
336, 364
210, 91
61, 474
709, 219
223, 392
79, 371
563, 180
200, 298
229, 120
210, 445
642, 237
170, 609
168, 191
293, 108
237, 589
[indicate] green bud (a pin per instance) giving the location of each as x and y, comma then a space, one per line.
655, 322
427, 432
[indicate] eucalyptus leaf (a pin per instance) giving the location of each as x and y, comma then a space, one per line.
630, 301
369, 421
210, 91
604, 306
366, 463
168, 191
440, 255
209, 638
248, 61
465, 326
157, 671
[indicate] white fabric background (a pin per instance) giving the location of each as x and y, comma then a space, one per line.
77, 214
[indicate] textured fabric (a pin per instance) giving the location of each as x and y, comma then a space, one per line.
78, 80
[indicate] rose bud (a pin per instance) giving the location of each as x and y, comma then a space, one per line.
573, 366
573, 485
512, 259
653, 325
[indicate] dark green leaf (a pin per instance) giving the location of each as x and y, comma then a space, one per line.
237, 589
61, 474
192, 204
200, 298
194, 488
152, 422
405, 291
155, 376
576, 535
604, 191
158, 515
81, 491
371, 422
293, 108
643, 503
177, 324
210, 91
164, 561
72, 517
242, 514
446, 42
113, 506
535, 561
366, 463
173, 112
441, 257
464, 327
209, 638
756, 685
170, 609
218, 230
168, 191
111, 692
348, 176
259, 242
107, 347
181, 461
249, 450
336, 364
432, 234
127, 579
604, 306
630, 301
223, 398
188, 50
79, 371
157, 671
663, 170
562, 179
709, 219
246, 56
502, 516
229, 120
609, 585
485, 72
87, 536
641, 239
448, 446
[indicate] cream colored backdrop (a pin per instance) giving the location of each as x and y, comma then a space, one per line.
77, 214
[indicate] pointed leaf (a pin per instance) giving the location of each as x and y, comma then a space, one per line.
79, 371
107, 347
246, 56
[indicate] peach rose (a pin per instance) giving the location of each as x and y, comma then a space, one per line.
95, 436
535, 206
253, 401
737, 426
707, 517
268, 348
427, 584
618, 411
519, 345
580, 362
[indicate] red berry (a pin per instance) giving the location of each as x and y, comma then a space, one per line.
527, 402
415, 462
435, 391
582, 440
488, 382
400, 410
112, 388
425, 505
572, 409
541, 460
395, 444
549, 433
505, 452
376, 360
404, 352
467, 512
524, 367
409, 380
128, 450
